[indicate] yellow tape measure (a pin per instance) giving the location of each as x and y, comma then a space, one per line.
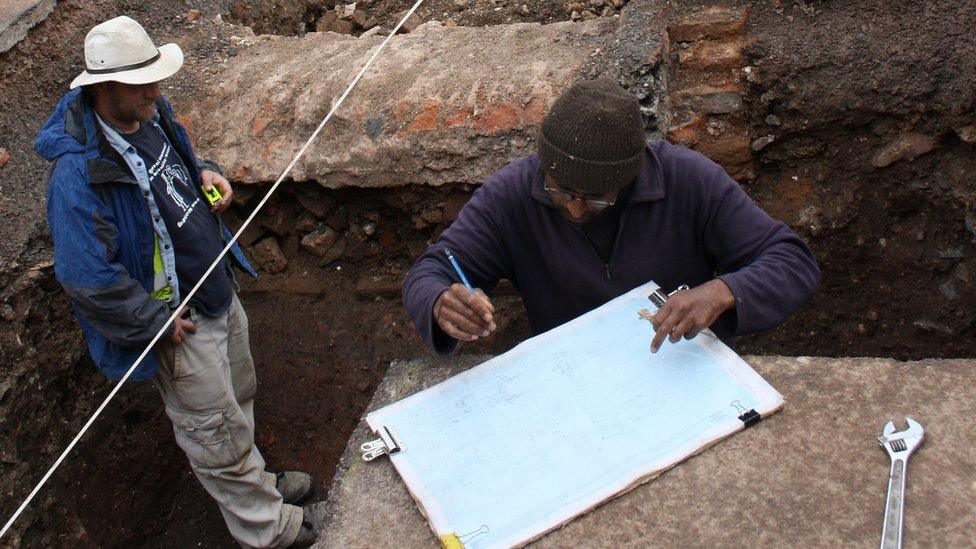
213, 196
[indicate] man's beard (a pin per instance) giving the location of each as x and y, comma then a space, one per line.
137, 114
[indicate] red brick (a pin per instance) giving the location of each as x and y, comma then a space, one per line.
459, 118
689, 133
732, 152
712, 22
258, 125
268, 257
712, 55
497, 118
401, 110
4, 157
789, 198
428, 118
534, 111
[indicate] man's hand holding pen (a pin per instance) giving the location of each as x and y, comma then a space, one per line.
464, 314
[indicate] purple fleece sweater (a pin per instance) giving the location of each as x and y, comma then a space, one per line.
687, 222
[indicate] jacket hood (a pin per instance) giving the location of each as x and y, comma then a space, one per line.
69, 129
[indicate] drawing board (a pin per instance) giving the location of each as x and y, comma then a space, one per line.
519, 445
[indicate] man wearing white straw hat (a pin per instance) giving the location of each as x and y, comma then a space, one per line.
133, 232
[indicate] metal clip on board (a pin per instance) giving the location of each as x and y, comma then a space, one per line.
658, 297
388, 443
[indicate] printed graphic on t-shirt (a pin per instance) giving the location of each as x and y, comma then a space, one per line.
192, 227
177, 182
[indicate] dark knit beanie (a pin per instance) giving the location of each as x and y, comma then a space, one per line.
592, 140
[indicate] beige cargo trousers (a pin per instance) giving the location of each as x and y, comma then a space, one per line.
208, 385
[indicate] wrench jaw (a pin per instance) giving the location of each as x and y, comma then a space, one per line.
901, 444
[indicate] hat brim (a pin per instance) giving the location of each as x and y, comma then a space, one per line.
169, 62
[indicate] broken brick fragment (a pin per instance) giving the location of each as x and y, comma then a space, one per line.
710, 23
268, 257
319, 242
726, 54
410, 24
687, 134
906, 146
733, 152
359, 18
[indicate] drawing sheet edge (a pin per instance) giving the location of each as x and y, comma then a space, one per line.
651, 475
441, 527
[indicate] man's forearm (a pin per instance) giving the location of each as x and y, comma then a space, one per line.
425, 282
123, 313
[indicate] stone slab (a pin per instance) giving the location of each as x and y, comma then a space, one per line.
810, 475
441, 105
17, 17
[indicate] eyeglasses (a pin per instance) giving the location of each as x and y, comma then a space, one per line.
560, 196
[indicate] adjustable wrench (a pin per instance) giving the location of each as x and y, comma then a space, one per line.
899, 445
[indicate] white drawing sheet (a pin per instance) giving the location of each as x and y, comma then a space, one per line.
519, 445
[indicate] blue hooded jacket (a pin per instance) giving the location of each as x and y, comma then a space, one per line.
103, 238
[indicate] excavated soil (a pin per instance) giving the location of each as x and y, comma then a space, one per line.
840, 82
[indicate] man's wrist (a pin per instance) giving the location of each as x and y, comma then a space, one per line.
728, 298
435, 310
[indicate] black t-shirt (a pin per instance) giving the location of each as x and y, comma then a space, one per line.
601, 231
189, 221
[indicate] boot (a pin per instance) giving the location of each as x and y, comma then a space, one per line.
295, 487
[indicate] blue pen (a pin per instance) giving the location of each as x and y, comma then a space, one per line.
457, 268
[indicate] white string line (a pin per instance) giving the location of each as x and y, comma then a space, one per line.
220, 257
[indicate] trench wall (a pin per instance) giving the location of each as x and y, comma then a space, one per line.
854, 124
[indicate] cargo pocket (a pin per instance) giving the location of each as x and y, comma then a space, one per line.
179, 366
204, 437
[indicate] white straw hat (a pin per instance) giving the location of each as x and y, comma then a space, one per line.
119, 50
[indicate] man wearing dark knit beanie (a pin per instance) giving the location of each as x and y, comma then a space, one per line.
599, 211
